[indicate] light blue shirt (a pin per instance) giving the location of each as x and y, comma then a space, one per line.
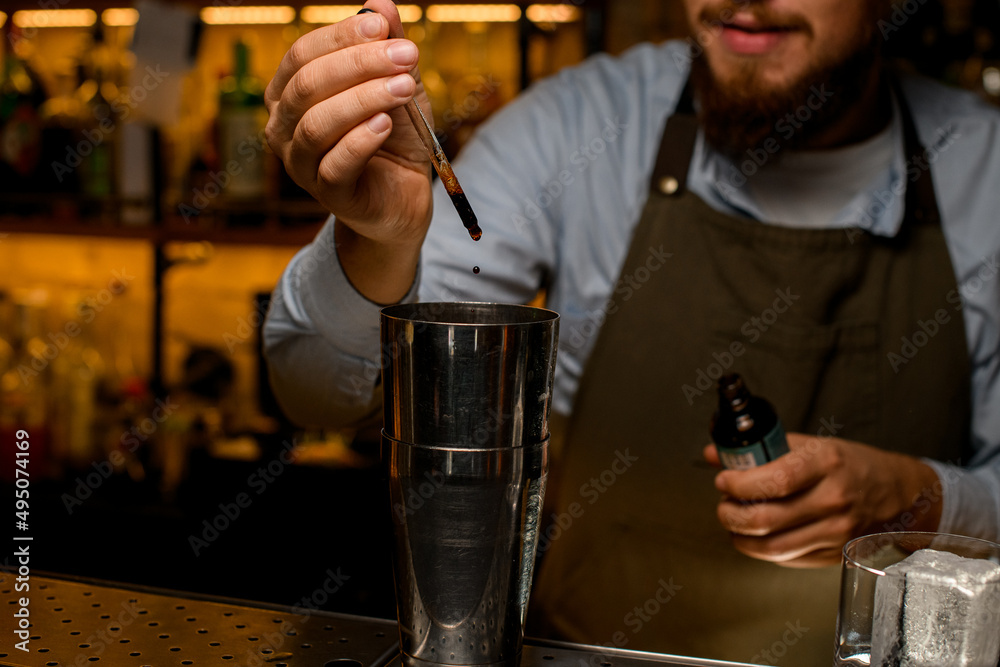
559, 179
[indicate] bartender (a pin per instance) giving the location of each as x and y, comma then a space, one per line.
766, 197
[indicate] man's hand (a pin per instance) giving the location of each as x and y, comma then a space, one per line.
801, 509
336, 121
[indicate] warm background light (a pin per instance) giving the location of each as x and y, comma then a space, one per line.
120, 16
321, 14
553, 13
247, 15
473, 13
3, 19
54, 18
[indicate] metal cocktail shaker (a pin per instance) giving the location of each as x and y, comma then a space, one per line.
467, 389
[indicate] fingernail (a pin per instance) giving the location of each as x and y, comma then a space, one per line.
402, 53
400, 85
379, 123
371, 26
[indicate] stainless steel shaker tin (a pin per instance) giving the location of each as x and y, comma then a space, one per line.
471, 375
467, 389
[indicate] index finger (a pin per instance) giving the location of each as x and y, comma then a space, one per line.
369, 27
785, 476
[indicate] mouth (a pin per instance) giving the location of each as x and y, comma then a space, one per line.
752, 32
749, 36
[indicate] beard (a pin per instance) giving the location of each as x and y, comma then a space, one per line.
745, 111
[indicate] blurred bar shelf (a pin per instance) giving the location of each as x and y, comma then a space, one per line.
304, 220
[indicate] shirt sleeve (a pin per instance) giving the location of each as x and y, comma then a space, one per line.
321, 340
971, 499
963, 159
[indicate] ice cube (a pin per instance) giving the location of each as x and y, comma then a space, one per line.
937, 609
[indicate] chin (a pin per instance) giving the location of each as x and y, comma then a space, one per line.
766, 74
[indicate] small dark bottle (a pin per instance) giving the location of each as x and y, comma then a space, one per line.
746, 429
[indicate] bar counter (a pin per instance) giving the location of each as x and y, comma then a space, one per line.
77, 622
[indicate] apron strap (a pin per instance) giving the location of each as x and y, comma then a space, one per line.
676, 147
920, 198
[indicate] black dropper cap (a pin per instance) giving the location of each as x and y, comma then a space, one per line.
732, 391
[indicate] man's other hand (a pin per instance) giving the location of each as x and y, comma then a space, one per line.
799, 510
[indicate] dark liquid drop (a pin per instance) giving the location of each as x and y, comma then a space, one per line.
475, 270
466, 213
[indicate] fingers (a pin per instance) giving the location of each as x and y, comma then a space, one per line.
820, 558
804, 466
337, 72
328, 123
765, 518
711, 454
387, 8
343, 165
810, 545
350, 32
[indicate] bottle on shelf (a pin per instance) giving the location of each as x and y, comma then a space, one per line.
22, 168
242, 116
746, 429
98, 125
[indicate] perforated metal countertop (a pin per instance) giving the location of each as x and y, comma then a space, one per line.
74, 623
79, 623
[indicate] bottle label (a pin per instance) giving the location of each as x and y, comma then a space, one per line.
770, 447
241, 151
775, 443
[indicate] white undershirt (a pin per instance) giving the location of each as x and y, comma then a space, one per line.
808, 189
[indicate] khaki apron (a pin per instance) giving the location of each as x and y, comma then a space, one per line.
634, 555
